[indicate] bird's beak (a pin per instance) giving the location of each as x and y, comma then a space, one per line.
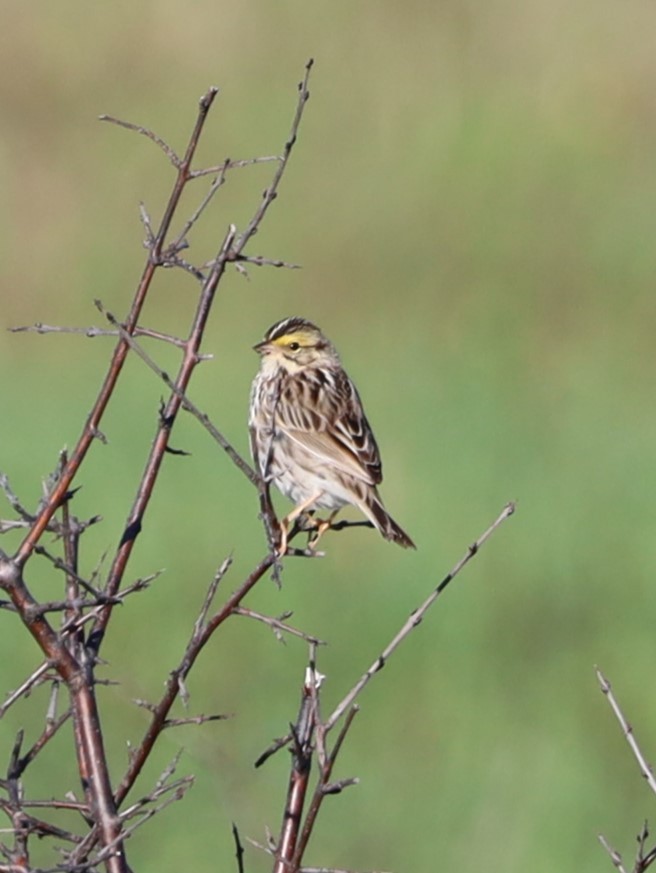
262, 348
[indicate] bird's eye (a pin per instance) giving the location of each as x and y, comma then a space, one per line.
294, 347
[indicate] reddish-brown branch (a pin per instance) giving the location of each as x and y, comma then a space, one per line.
77, 672
302, 751
120, 353
187, 404
319, 791
310, 732
101, 800
161, 441
199, 639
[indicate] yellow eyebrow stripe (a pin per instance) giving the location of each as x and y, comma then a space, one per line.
302, 337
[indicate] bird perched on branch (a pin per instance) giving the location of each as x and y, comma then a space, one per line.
309, 434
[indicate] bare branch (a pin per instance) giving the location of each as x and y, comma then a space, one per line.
233, 165
161, 440
276, 745
415, 618
137, 128
239, 849
187, 404
120, 353
199, 639
260, 261
271, 192
194, 719
320, 792
93, 332
50, 730
23, 690
277, 625
207, 199
627, 730
615, 856
299, 776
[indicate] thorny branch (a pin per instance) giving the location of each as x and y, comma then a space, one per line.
627, 730
187, 404
71, 651
415, 618
121, 349
309, 732
161, 439
644, 857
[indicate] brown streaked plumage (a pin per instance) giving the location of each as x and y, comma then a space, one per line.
309, 434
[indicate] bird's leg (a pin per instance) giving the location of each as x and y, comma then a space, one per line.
322, 527
288, 520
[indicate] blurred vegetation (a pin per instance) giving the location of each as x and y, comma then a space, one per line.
473, 200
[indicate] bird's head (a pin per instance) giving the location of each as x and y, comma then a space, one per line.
295, 344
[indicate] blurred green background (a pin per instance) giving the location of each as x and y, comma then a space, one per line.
473, 200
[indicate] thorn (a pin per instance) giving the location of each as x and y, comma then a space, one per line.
131, 532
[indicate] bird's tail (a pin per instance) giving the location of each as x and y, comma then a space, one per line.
380, 517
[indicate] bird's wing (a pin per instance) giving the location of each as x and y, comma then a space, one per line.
330, 424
